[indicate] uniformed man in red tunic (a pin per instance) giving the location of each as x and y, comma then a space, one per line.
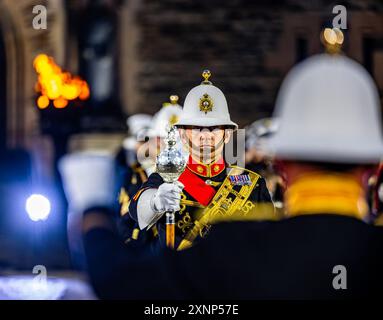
208, 184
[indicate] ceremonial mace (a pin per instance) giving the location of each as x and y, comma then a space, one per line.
170, 164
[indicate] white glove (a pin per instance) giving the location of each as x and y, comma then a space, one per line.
88, 180
167, 197
153, 203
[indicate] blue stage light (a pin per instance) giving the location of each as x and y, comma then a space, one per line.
38, 207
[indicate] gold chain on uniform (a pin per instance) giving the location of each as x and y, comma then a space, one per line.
223, 205
186, 221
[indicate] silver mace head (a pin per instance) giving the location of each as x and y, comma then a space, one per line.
170, 162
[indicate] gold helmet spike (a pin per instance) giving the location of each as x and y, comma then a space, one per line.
332, 39
173, 101
206, 74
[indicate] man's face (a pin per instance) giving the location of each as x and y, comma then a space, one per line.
205, 143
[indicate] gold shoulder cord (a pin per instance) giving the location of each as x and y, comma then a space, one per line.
123, 197
124, 201
223, 203
141, 173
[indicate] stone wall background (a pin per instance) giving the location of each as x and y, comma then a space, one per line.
248, 46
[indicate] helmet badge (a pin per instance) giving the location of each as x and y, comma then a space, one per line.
206, 103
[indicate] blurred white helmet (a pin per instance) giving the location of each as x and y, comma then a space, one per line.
260, 131
206, 106
328, 110
169, 115
138, 123
129, 143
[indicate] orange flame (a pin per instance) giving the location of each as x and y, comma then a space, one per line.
43, 102
56, 85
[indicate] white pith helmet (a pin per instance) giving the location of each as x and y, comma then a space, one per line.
206, 106
328, 110
259, 131
138, 123
169, 115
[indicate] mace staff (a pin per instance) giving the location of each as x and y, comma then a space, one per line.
169, 165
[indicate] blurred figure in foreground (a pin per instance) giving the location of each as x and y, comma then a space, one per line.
329, 139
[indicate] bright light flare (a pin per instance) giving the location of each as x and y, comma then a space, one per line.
38, 207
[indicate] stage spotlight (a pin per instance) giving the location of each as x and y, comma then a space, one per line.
38, 207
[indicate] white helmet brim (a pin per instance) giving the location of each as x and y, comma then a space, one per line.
206, 122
